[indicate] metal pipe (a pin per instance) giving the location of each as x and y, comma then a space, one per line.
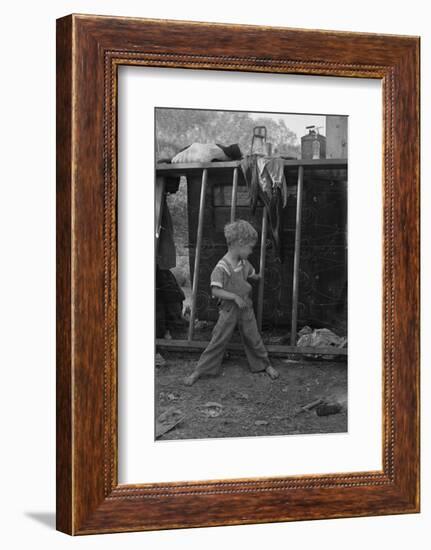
295, 290
198, 253
234, 191
262, 268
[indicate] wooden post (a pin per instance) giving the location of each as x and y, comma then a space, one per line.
262, 268
234, 190
198, 253
159, 202
295, 290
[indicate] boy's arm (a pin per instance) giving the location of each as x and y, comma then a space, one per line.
222, 294
252, 275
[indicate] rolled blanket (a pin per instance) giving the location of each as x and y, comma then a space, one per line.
207, 152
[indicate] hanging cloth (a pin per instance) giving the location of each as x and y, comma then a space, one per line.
266, 181
271, 176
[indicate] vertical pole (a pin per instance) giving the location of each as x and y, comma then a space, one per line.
295, 291
198, 253
234, 191
159, 202
262, 268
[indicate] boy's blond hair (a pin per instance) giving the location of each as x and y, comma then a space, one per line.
240, 231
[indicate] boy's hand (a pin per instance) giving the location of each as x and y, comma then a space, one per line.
240, 302
256, 277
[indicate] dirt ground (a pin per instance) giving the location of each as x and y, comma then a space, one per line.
242, 404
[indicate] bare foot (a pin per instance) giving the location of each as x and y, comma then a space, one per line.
272, 373
190, 380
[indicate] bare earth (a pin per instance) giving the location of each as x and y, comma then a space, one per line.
241, 404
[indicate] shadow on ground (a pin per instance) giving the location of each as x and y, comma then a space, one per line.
45, 518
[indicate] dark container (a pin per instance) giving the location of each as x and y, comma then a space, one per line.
313, 145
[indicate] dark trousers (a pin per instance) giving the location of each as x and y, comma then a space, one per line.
211, 359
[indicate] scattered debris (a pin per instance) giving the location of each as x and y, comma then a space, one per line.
168, 420
277, 340
261, 423
328, 408
229, 422
172, 396
159, 360
320, 338
305, 330
229, 405
323, 408
212, 409
200, 325
311, 405
241, 396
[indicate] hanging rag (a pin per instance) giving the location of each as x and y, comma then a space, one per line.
169, 303
251, 175
166, 254
271, 176
266, 181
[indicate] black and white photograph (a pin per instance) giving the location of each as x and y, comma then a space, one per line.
214, 235
250, 273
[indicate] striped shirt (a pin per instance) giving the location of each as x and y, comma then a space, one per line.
224, 269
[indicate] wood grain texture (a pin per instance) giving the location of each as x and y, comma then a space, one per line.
89, 498
64, 497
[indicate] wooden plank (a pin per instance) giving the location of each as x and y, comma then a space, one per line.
262, 269
198, 253
295, 290
273, 349
234, 193
183, 168
336, 136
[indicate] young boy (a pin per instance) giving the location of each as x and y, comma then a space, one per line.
229, 284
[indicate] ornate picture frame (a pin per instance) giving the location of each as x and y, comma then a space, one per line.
89, 51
